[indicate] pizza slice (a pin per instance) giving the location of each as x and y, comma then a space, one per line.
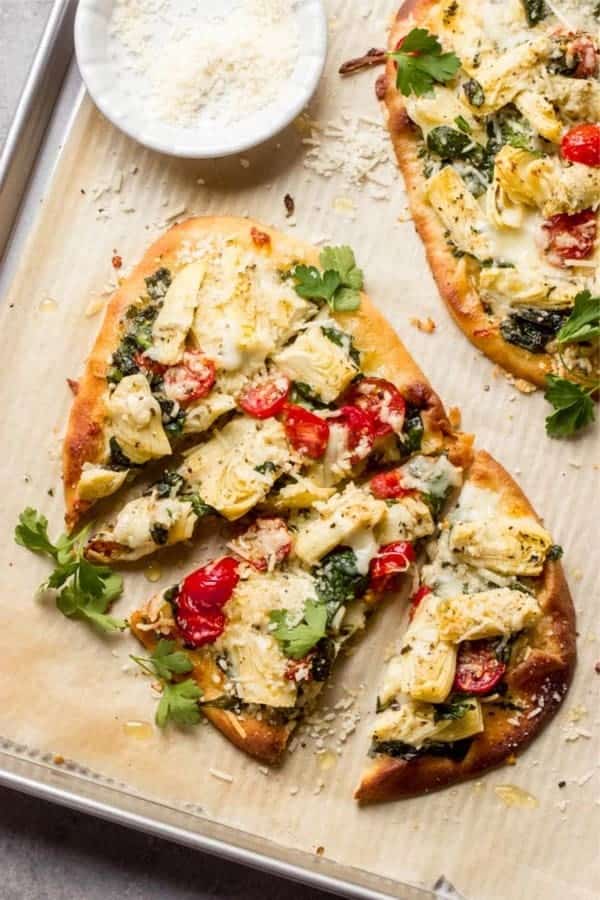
263, 625
339, 395
489, 651
182, 336
493, 110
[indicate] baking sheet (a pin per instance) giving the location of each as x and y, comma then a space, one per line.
66, 691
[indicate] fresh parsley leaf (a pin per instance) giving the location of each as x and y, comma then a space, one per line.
311, 285
165, 661
298, 639
179, 703
421, 63
573, 405
341, 260
346, 300
584, 322
339, 284
85, 591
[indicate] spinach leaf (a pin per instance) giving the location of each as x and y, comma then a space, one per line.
535, 10
449, 143
412, 433
117, 459
474, 92
159, 534
532, 328
338, 581
455, 750
343, 340
158, 284
266, 468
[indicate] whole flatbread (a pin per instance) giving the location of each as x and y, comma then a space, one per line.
451, 274
539, 683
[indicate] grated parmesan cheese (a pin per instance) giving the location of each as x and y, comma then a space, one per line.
189, 67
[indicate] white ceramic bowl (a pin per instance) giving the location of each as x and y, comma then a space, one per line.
106, 87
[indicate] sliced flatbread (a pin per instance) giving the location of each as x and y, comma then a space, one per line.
490, 651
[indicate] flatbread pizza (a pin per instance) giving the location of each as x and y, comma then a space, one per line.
489, 651
333, 471
493, 110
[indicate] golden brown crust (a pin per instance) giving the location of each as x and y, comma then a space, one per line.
539, 682
451, 274
262, 740
85, 438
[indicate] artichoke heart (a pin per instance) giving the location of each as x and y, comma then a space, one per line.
136, 420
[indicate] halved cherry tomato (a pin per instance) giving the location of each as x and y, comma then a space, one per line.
478, 669
192, 379
361, 431
391, 560
264, 544
570, 237
382, 401
265, 398
305, 431
388, 485
149, 365
582, 145
201, 598
415, 600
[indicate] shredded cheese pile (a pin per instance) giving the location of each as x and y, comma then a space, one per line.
189, 70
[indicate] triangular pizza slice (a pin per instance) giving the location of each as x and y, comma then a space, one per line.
489, 651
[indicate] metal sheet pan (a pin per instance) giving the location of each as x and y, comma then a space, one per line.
48, 106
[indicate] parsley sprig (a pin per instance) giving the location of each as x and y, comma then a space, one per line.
297, 640
339, 284
179, 699
572, 402
83, 590
421, 63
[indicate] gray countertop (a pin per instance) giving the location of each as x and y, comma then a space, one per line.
49, 853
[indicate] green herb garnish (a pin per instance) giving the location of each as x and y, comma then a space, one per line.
584, 322
573, 404
297, 640
179, 699
421, 63
339, 284
84, 591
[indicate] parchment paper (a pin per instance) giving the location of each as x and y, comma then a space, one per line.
66, 691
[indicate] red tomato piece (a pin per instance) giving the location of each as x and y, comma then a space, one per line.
478, 669
264, 544
299, 670
584, 52
306, 432
149, 365
581, 144
416, 599
192, 379
388, 485
200, 628
382, 401
570, 237
265, 398
361, 431
392, 560
201, 598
